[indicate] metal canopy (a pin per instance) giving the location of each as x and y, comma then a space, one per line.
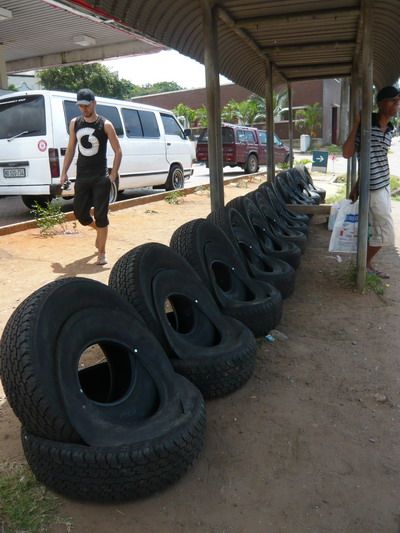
41, 33
303, 39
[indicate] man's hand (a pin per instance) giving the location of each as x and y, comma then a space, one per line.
354, 193
63, 179
112, 177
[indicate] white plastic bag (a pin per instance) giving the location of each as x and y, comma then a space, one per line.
345, 230
333, 214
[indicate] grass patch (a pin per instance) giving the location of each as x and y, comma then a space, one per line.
395, 187
332, 149
242, 184
339, 195
175, 197
373, 283
26, 505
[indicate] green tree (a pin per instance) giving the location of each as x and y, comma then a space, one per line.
279, 101
201, 116
156, 88
245, 112
309, 118
97, 77
182, 110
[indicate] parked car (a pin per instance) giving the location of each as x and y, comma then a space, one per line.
34, 136
243, 146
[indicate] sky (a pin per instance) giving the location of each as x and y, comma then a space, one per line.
167, 65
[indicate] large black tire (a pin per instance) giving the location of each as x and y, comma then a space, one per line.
176, 178
292, 223
290, 191
214, 351
109, 474
260, 265
281, 230
280, 206
208, 250
269, 242
40, 355
42, 200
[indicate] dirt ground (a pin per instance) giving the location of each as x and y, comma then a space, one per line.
310, 444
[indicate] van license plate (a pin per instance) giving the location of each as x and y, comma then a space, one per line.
14, 172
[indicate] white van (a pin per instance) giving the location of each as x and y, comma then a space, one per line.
156, 151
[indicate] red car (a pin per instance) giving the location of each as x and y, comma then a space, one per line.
243, 146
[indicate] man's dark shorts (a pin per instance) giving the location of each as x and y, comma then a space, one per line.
92, 192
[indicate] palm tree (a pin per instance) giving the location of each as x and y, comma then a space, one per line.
245, 112
201, 116
309, 118
182, 110
279, 101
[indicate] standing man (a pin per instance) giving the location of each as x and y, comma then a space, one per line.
93, 183
381, 232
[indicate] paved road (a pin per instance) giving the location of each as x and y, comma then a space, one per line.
12, 209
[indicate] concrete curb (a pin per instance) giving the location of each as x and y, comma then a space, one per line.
131, 202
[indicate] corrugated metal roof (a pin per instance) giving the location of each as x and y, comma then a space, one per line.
39, 28
303, 38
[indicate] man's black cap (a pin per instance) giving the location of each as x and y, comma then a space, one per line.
84, 97
387, 92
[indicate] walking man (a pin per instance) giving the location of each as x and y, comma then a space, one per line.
91, 132
381, 232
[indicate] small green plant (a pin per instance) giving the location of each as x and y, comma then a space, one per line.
175, 197
373, 283
302, 162
242, 184
283, 165
202, 189
25, 504
48, 217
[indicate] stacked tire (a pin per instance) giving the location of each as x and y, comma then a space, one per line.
176, 324
120, 429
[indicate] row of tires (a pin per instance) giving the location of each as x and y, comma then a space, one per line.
175, 325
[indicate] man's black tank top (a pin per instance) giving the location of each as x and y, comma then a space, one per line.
92, 147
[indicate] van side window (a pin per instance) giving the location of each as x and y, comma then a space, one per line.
241, 136
133, 126
171, 126
71, 110
111, 113
263, 137
249, 136
149, 124
22, 116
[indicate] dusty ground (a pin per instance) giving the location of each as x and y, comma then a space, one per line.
310, 444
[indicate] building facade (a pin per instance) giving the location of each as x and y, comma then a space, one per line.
304, 93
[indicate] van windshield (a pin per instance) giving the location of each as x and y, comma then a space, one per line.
228, 136
22, 116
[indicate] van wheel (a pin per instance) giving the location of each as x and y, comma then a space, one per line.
42, 200
176, 178
114, 191
251, 165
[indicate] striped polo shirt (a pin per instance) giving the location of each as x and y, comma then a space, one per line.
380, 144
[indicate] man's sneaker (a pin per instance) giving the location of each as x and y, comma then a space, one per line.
101, 259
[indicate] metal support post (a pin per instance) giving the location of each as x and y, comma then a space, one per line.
211, 63
269, 123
